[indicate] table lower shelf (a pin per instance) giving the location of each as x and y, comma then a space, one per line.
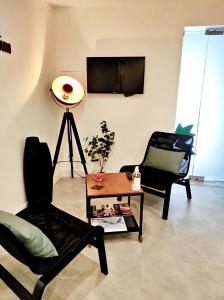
115, 218
117, 224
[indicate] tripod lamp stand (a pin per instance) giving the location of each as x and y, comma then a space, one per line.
68, 93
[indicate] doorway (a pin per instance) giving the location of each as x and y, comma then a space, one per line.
201, 98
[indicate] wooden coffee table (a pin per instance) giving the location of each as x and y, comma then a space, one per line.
114, 185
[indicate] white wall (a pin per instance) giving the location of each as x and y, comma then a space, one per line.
45, 43
150, 28
25, 77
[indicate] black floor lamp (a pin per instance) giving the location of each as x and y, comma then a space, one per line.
68, 93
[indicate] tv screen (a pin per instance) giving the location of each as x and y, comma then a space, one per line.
118, 75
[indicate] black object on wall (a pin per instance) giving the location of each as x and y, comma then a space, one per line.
5, 47
117, 75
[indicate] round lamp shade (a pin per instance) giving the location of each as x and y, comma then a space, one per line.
67, 91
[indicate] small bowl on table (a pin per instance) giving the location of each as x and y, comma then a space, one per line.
99, 176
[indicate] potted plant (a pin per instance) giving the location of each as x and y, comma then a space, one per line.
99, 147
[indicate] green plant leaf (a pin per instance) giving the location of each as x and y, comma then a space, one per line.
99, 147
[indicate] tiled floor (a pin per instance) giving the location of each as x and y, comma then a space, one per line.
182, 258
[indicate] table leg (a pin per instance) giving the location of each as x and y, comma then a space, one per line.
141, 218
88, 210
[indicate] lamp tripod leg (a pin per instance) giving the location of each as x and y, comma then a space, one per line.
81, 154
58, 146
69, 120
70, 146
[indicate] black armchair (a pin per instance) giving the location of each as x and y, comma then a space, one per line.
68, 234
166, 161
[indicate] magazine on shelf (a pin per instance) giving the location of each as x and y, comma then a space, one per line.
111, 210
110, 224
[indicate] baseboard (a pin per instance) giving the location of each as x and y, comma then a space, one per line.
197, 178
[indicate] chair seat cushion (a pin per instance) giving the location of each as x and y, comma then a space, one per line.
31, 237
157, 179
63, 229
67, 233
152, 177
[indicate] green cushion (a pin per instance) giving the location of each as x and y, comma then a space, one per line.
32, 238
184, 130
165, 160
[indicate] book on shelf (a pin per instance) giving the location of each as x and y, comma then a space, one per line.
111, 210
110, 224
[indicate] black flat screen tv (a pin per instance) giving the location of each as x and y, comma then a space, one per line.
117, 75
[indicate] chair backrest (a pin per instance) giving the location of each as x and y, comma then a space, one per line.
38, 173
173, 142
38, 177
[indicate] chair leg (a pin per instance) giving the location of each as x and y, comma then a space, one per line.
14, 284
188, 188
102, 253
166, 203
38, 290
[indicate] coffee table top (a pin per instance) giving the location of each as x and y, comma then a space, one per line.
114, 184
